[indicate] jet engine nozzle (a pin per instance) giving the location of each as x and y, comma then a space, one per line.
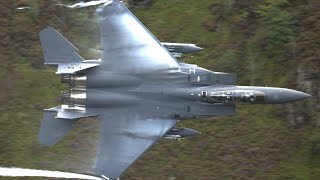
65, 79
77, 80
65, 95
74, 97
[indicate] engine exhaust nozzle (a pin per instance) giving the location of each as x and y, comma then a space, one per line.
74, 97
77, 80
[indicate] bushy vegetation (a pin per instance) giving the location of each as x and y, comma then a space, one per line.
278, 23
266, 42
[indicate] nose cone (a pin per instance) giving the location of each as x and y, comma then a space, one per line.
282, 95
297, 95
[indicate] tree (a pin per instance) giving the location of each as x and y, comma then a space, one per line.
279, 24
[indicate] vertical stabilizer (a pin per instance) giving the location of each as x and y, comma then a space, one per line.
56, 48
53, 129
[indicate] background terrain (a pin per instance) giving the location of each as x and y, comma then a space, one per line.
266, 42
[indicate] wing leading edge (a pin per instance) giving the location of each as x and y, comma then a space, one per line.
124, 140
127, 45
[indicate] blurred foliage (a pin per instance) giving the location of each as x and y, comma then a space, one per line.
139, 3
278, 23
265, 42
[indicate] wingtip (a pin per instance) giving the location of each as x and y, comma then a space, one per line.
101, 10
44, 30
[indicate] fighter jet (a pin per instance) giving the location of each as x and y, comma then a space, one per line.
138, 90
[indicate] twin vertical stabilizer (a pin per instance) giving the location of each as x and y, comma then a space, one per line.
57, 50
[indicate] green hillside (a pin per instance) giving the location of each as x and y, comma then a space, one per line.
265, 42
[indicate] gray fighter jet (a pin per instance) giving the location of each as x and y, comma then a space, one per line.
138, 90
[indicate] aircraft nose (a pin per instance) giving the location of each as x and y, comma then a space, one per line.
297, 95
282, 95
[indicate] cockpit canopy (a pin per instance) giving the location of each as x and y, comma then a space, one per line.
233, 96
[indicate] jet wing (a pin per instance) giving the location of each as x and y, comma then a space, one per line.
123, 140
127, 45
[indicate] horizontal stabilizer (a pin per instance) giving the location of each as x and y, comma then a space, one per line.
72, 68
56, 48
67, 112
53, 129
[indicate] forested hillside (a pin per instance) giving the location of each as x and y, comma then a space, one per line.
265, 42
